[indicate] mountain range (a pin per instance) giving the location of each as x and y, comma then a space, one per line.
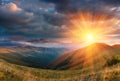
97, 54
92, 63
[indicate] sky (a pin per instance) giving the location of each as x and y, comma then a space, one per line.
49, 18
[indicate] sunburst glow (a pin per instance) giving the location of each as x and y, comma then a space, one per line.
90, 37
87, 26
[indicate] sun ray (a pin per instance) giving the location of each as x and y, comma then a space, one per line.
82, 24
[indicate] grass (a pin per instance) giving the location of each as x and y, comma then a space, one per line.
12, 72
109, 72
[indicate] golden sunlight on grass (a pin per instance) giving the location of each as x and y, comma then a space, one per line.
5, 50
12, 50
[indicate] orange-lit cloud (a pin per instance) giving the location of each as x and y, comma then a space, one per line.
11, 7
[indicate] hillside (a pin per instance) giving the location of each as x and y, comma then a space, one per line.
12, 72
95, 56
14, 68
117, 46
30, 56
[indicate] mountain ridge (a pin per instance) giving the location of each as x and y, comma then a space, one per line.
81, 57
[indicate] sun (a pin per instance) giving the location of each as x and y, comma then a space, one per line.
86, 27
90, 37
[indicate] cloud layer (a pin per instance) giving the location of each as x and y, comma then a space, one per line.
48, 18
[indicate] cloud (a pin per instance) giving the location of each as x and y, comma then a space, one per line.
30, 23
78, 5
11, 7
47, 18
11, 13
112, 2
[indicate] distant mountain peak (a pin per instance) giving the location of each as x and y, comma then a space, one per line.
99, 45
116, 46
104, 44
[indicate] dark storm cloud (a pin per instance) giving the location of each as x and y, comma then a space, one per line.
112, 2
31, 19
60, 4
12, 14
65, 5
78, 5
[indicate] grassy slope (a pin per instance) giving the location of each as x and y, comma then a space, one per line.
11, 72
29, 56
97, 55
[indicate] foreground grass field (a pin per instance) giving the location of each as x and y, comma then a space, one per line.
12, 72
